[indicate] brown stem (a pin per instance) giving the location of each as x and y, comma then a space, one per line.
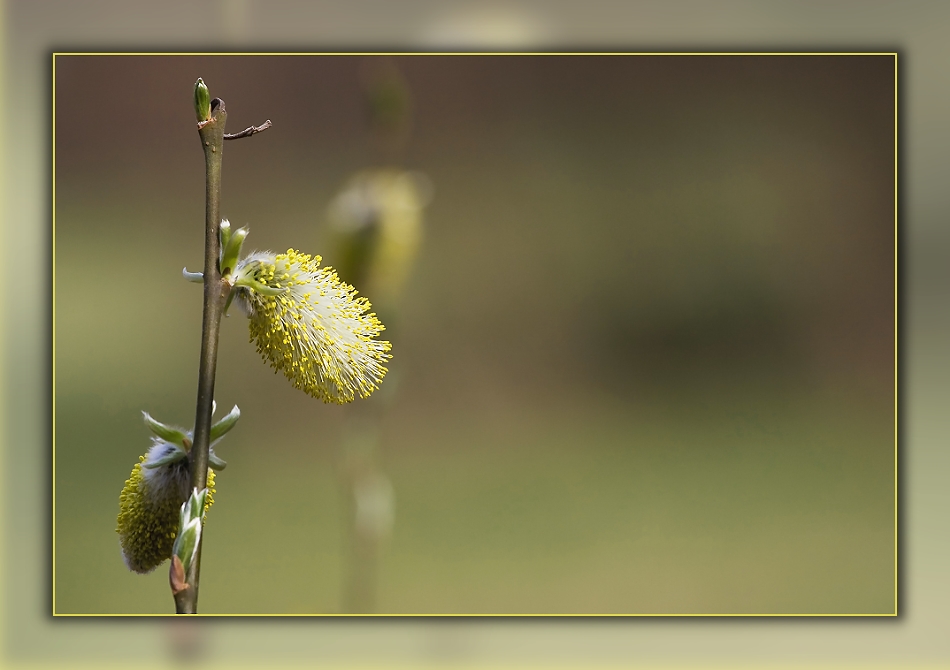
211, 133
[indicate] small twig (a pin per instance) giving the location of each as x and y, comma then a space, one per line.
247, 132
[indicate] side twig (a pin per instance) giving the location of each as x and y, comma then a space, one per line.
247, 132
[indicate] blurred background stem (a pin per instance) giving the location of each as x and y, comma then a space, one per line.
368, 505
375, 226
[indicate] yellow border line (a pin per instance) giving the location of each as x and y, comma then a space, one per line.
896, 418
5, 160
479, 53
53, 333
442, 615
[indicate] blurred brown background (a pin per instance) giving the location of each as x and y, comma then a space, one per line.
645, 361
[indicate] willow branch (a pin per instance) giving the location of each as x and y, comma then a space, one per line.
211, 133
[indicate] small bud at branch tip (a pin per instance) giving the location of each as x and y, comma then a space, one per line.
202, 101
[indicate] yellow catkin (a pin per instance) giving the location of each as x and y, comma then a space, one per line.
148, 519
318, 332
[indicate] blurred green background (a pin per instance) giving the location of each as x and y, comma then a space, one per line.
645, 360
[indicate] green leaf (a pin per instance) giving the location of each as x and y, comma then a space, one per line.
224, 236
167, 433
195, 277
225, 424
186, 544
232, 251
227, 303
258, 287
197, 504
215, 463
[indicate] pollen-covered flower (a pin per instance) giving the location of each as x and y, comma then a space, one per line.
150, 502
311, 326
304, 320
148, 512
